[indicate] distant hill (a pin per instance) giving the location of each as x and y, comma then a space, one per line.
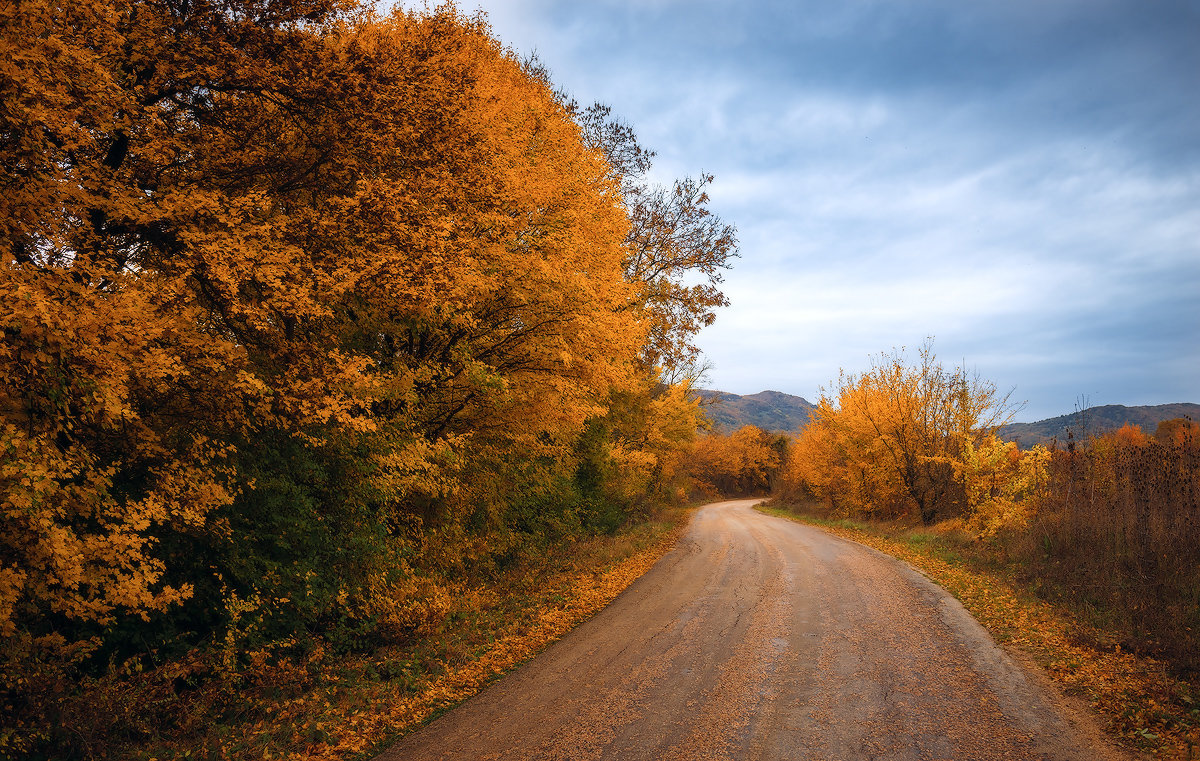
784, 413
1095, 420
769, 410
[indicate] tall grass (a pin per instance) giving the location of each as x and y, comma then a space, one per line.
1117, 529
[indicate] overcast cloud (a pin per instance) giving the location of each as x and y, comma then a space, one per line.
1020, 179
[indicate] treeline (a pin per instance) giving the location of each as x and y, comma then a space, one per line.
1111, 522
744, 463
310, 316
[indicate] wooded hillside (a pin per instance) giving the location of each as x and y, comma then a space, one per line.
768, 410
1094, 421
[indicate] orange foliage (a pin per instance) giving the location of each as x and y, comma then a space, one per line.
1182, 432
296, 267
308, 313
279, 224
650, 429
744, 462
1131, 435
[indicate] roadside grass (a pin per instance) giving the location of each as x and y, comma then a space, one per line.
333, 706
1140, 702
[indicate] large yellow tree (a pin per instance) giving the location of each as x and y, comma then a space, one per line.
893, 439
226, 218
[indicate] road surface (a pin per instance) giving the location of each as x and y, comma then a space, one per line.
760, 638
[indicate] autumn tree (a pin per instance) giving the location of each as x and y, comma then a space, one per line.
330, 266
143, 271
740, 463
308, 311
639, 448
1002, 484
1181, 431
892, 439
677, 249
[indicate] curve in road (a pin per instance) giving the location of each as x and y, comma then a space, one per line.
760, 638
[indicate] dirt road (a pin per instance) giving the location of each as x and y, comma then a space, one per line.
759, 638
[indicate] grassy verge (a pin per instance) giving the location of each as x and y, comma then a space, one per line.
352, 706
1139, 701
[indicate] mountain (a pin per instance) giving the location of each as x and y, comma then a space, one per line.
1095, 420
784, 413
769, 410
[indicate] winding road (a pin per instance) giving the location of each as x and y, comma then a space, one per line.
760, 638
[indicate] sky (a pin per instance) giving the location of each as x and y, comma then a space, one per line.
1019, 179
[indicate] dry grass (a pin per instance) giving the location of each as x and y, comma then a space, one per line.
1117, 533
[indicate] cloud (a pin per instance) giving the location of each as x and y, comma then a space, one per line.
1020, 179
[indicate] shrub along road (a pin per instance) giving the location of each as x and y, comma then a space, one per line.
760, 638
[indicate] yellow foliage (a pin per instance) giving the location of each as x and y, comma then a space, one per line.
383, 225
893, 440
1002, 483
650, 426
